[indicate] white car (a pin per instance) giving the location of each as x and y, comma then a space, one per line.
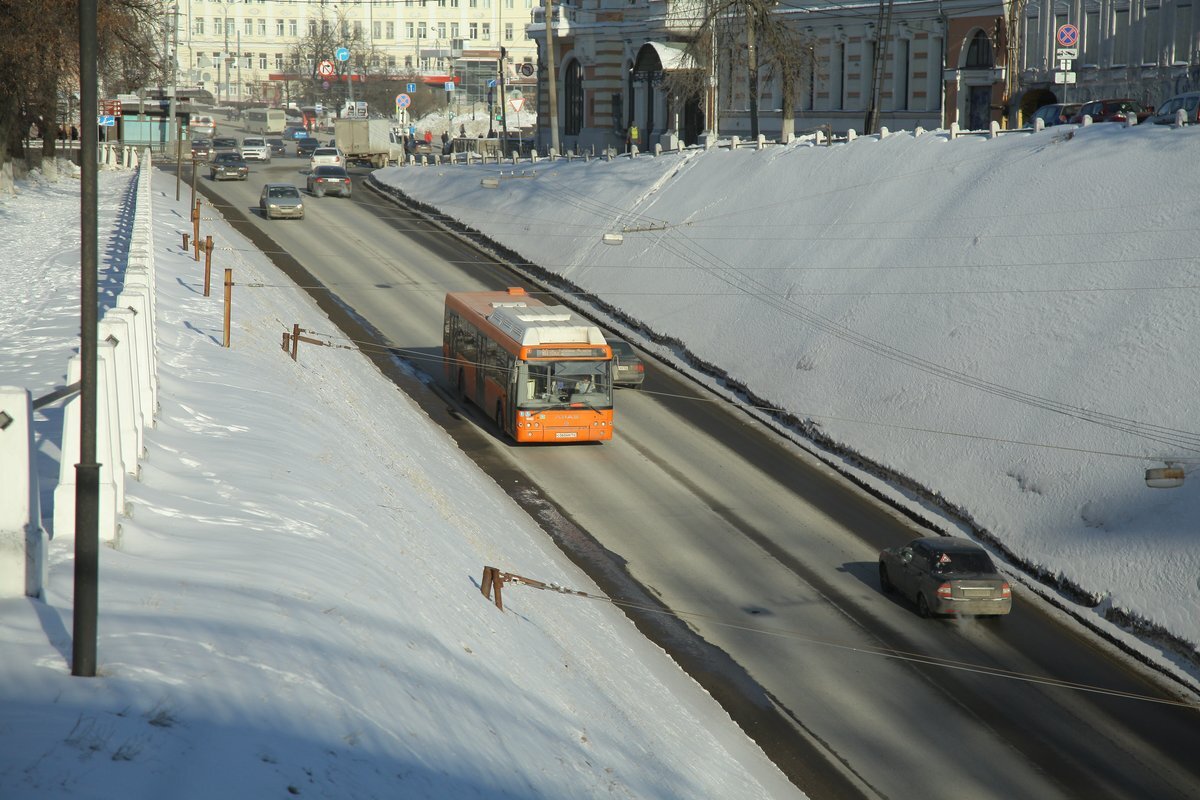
330, 156
255, 148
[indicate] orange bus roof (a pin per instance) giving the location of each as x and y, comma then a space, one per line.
528, 321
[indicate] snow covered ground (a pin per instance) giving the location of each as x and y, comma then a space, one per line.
294, 605
1005, 328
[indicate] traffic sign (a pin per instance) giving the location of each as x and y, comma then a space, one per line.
1068, 35
1066, 52
403, 101
412, 87
325, 68
492, 83
517, 103
342, 54
1064, 77
107, 120
448, 86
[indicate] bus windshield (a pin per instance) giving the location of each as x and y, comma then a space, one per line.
549, 384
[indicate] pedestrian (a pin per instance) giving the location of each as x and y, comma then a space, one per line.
631, 138
462, 131
74, 134
429, 138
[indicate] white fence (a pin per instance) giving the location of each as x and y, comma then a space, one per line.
126, 401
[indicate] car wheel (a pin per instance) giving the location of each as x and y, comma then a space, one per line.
923, 606
885, 583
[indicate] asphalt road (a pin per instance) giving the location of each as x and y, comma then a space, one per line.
753, 564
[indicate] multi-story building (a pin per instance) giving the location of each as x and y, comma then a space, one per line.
910, 63
245, 51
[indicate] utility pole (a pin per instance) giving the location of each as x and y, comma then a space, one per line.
883, 29
752, 69
551, 77
503, 102
87, 471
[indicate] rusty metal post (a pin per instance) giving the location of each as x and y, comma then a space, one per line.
186, 237
208, 248
196, 227
295, 339
284, 345
228, 302
492, 581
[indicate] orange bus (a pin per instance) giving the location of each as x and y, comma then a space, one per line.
541, 372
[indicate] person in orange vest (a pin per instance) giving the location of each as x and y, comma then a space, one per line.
429, 137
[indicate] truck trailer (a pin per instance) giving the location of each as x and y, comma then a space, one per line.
376, 141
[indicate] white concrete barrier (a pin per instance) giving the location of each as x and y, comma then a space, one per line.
137, 300
22, 540
115, 330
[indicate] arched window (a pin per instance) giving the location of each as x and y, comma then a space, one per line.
979, 52
573, 99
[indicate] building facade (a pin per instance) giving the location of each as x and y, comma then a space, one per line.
244, 52
914, 63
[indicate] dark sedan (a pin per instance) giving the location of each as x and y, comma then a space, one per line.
202, 149
328, 179
277, 147
306, 144
628, 369
228, 165
1055, 114
945, 575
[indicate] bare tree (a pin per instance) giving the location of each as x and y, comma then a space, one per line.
748, 36
39, 61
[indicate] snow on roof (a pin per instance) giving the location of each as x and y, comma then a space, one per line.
542, 324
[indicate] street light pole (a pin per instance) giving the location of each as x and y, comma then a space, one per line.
551, 77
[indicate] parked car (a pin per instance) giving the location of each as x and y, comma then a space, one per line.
277, 147
228, 165
280, 200
202, 149
326, 155
226, 144
628, 369
1189, 102
945, 575
255, 148
306, 144
1055, 114
328, 179
1118, 110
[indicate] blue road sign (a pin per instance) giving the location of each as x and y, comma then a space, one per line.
107, 120
342, 54
412, 87
492, 83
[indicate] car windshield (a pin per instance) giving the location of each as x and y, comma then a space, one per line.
282, 191
225, 142
253, 142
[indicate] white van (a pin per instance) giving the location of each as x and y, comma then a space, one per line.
203, 126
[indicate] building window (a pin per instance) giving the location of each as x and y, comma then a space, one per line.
421, 30
485, 29
377, 30
279, 27
979, 52
473, 30
390, 30
292, 28
508, 31
453, 30
248, 27
441, 30
229, 29
279, 61
573, 99
900, 77
1150, 40
408, 31
358, 35
262, 28
262, 60
198, 26
1120, 49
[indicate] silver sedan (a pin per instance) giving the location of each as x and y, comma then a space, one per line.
945, 575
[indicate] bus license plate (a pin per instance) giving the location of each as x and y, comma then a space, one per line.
566, 435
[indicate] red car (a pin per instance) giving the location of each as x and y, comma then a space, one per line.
1118, 110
